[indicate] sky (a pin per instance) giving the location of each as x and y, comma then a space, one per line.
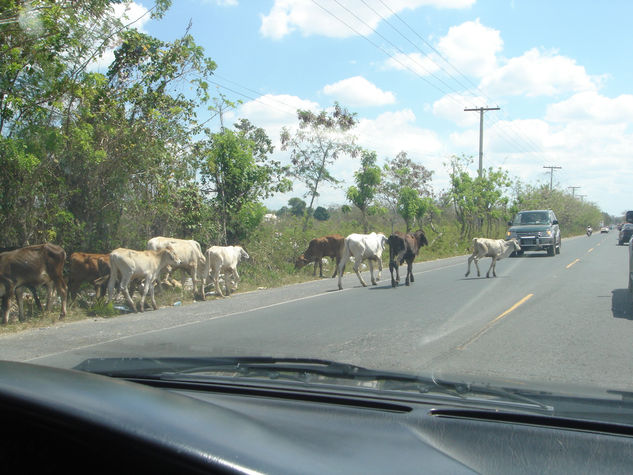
561, 73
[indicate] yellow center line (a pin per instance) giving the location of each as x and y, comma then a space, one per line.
571, 264
492, 322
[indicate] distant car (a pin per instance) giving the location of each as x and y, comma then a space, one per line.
625, 234
604, 229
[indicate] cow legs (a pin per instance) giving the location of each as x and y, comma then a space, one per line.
151, 294
493, 264
356, 269
317, 263
124, 287
371, 272
18, 297
216, 283
338, 261
409, 272
339, 271
394, 266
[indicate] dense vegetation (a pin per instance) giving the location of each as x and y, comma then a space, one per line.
95, 161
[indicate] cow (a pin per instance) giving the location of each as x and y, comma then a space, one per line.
223, 259
41, 264
127, 264
32, 288
318, 248
361, 247
495, 248
91, 268
404, 247
188, 251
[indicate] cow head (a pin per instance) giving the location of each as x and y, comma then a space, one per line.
514, 244
301, 261
243, 253
172, 258
421, 238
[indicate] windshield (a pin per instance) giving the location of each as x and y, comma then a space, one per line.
227, 179
531, 218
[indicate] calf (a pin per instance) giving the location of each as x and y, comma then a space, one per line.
188, 251
91, 268
41, 264
495, 248
404, 247
361, 247
318, 248
223, 259
127, 264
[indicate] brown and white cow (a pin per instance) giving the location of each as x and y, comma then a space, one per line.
91, 268
404, 247
495, 248
41, 264
318, 248
127, 264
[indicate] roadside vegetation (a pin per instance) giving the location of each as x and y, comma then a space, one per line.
94, 161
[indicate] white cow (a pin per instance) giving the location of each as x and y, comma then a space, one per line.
495, 248
223, 259
188, 251
127, 264
361, 247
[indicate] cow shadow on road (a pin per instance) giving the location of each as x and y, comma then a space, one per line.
622, 304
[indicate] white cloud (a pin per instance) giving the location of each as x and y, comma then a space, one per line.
472, 48
325, 17
591, 106
358, 92
537, 73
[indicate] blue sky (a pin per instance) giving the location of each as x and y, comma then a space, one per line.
560, 71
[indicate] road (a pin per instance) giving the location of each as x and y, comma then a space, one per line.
567, 318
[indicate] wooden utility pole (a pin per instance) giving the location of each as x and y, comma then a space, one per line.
573, 190
551, 175
481, 132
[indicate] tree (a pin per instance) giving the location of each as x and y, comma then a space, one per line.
320, 140
236, 172
401, 172
321, 214
367, 180
297, 206
412, 206
478, 200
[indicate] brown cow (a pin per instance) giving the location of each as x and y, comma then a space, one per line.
326, 246
41, 264
91, 268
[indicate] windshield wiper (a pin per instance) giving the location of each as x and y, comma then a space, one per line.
305, 370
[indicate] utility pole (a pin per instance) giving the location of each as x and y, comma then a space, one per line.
481, 132
551, 175
573, 189
582, 197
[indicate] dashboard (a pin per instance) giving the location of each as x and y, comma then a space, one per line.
56, 419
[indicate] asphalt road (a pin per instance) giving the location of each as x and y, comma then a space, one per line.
567, 318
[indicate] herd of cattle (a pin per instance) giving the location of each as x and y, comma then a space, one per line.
43, 264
